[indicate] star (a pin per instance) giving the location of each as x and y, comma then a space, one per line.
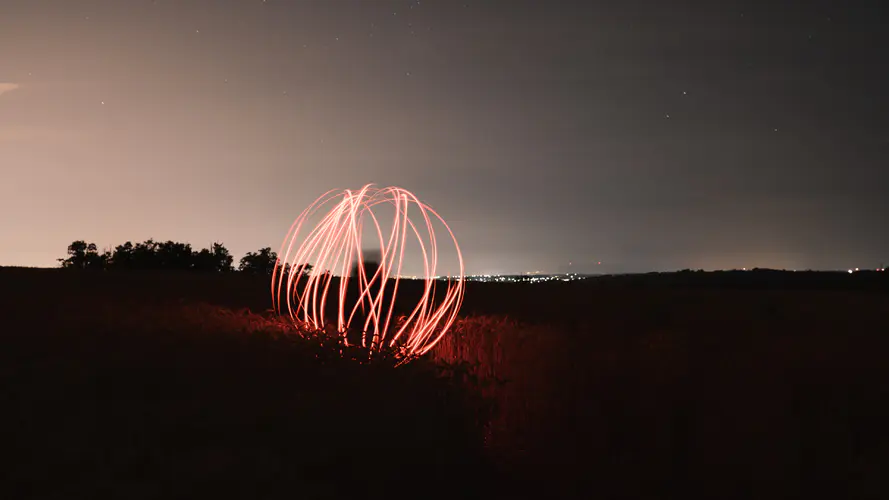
684, 92
666, 115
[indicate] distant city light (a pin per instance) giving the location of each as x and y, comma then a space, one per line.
524, 278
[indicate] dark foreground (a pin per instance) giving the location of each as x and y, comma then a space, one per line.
671, 386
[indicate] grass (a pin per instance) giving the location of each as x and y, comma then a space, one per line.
191, 400
151, 386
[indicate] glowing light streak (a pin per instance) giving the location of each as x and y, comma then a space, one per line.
335, 244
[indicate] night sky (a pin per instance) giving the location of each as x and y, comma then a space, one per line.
643, 135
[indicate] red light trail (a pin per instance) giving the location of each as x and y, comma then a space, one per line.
335, 244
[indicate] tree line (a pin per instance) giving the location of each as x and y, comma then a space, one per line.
167, 255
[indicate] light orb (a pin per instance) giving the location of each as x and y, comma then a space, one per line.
342, 289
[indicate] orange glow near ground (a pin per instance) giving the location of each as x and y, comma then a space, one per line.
335, 245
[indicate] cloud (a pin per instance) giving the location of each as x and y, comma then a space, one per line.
7, 87
42, 135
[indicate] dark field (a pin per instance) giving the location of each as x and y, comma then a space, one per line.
688, 385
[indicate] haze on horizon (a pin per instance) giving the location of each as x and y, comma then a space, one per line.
641, 135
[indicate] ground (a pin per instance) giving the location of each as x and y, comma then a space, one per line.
147, 385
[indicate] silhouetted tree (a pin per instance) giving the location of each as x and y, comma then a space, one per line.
174, 256
168, 255
261, 262
83, 255
217, 258
144, 255
122, 257
306, 268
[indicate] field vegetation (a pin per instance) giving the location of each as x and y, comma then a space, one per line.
172, 384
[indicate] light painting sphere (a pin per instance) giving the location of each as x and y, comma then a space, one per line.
327, 276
